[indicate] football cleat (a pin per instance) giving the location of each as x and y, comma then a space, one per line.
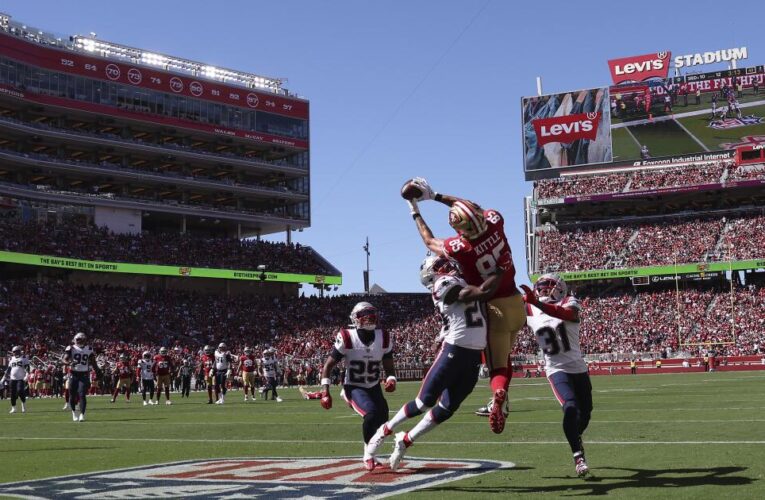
279, 400
145, 403
81, 417
497, 416
66, 406
377, 439
371, 463
485, 411
168, 402
13, 409
113, 401
74, 416
152, 402
23, 407
399, 449
581, 466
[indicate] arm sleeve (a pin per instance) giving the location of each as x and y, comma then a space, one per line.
336, 355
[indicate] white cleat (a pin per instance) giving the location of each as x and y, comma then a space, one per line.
219, 402
376, 441
399, 449
74, 416
154, 402
66, 407
13, 409
246, 398
145, 403
82, 417
23, 408
168, 402
279, 400
581, 467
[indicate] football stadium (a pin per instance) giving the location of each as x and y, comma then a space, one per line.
157, 341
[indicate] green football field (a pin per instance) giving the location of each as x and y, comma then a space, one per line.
652, 436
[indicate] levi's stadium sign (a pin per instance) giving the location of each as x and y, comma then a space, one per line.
639, 68
567, 129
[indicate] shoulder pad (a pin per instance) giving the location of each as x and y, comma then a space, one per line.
445, 283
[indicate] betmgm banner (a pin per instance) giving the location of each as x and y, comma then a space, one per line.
182, 271
567, 129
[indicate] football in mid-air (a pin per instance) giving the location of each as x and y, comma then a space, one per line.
410, 190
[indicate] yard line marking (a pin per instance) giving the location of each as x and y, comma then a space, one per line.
703, 146
355, 442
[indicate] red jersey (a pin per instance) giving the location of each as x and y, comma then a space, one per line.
247, 363
123, 370
208, 362
162, 364
480, 257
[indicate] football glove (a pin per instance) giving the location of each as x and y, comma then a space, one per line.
427, 191
413, 208
390, 384
528, 295
211, 373
326, 400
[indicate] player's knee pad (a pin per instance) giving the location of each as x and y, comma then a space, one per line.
440, 413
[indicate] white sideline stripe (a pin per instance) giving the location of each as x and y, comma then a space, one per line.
703, 146
298, 441
451, 422
633, 137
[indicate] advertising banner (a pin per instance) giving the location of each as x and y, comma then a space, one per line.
184, 271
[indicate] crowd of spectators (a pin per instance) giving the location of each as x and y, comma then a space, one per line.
76, 240
639, 180
658, 243
746, 172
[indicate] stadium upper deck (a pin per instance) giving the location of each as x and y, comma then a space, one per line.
160, 141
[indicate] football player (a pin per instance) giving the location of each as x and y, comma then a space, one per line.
184, 374
80, 358
309, 394
248, 367
268, 366
124, 373
365, 348
208, 371
17, 375
454, 372
223, 363
482, 250
163, 367
145, 372
553, 315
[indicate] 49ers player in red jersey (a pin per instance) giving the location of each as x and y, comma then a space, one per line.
163, 367
208, 371
124, 373
481, 249
248, 367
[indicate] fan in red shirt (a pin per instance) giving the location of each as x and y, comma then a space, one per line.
124, 373
481, 249
208, 370
248, 371
163, 367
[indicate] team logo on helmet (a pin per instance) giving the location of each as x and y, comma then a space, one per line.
467, 219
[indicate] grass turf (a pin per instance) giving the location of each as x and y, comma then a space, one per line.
652, 436
714, 139
663, 139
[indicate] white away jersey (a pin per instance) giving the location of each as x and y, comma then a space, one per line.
147, 369
222, 361
464, 324
558, 339
269, 367
363, 363
19, 367
79, 358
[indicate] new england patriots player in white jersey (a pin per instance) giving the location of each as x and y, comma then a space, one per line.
454, 373
17, 375
80, 358
268, 365
553, 315
365, 348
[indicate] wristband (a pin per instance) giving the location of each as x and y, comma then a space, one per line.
390, 378
438, 197
326, 381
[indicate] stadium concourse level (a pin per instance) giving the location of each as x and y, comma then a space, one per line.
664, 242
75, 240
639, 180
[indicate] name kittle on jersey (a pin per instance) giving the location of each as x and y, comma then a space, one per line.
558, 339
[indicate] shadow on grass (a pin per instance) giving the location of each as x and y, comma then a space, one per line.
629, 478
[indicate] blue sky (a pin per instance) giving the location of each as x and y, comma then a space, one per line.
402, 88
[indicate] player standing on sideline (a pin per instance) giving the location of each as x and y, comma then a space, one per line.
222, 371
482, 250
163, 367
146, 376
553, 315
364, 347
208, 371
124, 373
268, 365
17, 374
80, 358
248, 367
454, 373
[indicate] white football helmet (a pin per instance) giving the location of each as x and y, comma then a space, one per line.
248, 350
550, 288
17, 350
208, 349
146, 355
364, 316
163, 350
434, 266
80, 339
222, 347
